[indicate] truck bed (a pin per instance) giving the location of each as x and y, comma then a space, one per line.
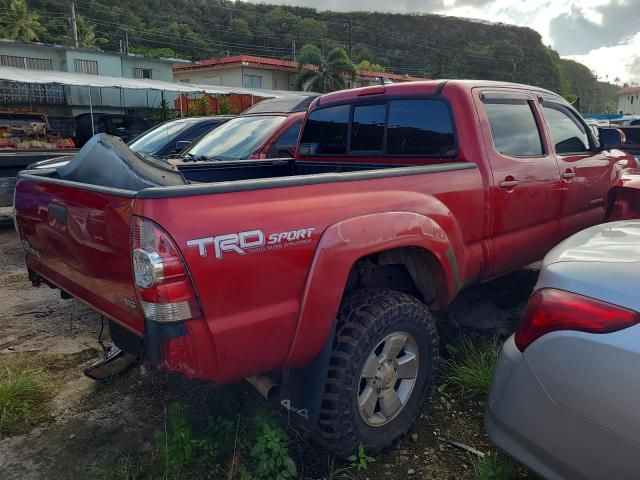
106, 164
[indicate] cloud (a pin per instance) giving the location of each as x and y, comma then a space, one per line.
633, 68
577, 32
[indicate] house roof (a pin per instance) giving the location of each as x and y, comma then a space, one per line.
277, 64
234, 60
6, 42
391, 76
628, 90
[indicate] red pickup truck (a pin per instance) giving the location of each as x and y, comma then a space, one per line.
320, 274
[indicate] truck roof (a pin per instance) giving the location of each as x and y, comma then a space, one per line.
419, 87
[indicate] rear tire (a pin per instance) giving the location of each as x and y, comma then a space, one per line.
364, 376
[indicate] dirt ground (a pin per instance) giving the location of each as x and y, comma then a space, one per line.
92, 425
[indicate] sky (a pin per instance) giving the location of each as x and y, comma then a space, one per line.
602, 34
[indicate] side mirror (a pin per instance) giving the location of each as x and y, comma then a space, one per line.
611, 138
181, 145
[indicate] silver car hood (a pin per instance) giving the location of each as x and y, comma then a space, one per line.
601, 262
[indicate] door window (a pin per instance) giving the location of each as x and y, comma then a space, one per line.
513, 128
286, 144
567, 132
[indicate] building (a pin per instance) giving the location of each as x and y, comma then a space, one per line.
629, 101
72, 100
265, 73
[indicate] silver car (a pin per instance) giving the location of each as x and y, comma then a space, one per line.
565, 396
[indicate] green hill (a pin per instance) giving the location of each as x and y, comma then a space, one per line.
414, 44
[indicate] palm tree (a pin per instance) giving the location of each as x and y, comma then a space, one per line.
23, 24
322, 74
86, 33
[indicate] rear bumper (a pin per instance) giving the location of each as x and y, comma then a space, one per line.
7, 187
525, 420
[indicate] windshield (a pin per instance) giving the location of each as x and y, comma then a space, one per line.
156, 138
235, 140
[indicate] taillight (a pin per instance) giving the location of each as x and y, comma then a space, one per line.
164, 287
550, 310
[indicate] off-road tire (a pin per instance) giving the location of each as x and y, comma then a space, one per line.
366, 316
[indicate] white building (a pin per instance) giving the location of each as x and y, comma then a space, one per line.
71, 100
629, 101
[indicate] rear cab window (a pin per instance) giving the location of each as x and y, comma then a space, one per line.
396, 127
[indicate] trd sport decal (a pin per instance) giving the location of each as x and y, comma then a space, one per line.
252, 241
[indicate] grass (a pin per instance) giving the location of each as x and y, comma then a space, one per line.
23, 394
497, 467
470, 368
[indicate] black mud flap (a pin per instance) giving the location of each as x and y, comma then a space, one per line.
303, 387
115, 362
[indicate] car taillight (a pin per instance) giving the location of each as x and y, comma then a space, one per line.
164, 287
550, 310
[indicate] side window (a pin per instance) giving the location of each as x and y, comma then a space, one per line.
513, 128
367, 128
325, 132
568, 134
286, 144
419, 127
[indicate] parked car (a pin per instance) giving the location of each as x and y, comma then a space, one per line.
164, 140
564, 397
126, 127
320, 273
286, 104
248, 137
172, 137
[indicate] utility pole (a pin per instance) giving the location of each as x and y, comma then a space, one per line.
349, 28
74, 25
126, 42
293, 49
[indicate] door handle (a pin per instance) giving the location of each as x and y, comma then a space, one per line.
568, 175
508, 184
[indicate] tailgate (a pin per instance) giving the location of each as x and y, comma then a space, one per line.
78, 238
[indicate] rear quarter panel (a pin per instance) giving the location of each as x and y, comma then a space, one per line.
252, 302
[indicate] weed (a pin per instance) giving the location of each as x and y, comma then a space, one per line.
471, 365
495, 467
176, 442
271, 453
126, 468
337, 473
22, 396
361, 461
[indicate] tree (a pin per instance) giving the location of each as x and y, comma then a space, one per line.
87, 35
238, 32
367, 66
319, 73
23, 24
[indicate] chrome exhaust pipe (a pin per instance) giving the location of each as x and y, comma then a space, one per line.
265, 386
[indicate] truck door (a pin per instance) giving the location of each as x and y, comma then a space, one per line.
585, 173
525, 190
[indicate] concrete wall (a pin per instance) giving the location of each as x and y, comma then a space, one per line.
629, 104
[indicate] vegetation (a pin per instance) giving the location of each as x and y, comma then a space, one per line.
470, 368
415, 44
367, 66
21, 23
496, 467
22, 396
323, 74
